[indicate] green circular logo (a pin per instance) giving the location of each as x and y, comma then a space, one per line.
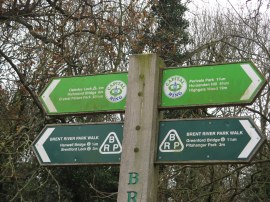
175, 87
116, 91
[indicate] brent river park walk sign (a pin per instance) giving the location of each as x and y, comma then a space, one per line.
84, 94
230, 140
79, 144
212, 85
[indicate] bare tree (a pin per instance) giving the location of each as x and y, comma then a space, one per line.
40, 39
223, 36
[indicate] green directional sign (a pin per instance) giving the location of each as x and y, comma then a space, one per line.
98, 143
85, 94
208, 141
213, 85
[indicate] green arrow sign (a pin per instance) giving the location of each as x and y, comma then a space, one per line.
79, 144
208, 141
84, 94
226, 84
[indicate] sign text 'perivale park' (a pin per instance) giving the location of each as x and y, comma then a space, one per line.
212, 85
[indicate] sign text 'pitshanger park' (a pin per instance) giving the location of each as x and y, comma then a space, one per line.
223, 140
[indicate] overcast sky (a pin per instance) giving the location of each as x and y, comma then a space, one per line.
204, 4
197, 5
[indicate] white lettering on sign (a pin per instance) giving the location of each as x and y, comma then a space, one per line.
52, 139
171, 142
208, 84
111, 145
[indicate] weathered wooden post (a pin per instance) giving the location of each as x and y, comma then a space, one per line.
138, 174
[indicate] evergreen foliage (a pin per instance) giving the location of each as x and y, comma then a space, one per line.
171, 35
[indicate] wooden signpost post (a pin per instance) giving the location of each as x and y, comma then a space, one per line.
138, 173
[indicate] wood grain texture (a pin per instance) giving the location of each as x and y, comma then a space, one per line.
140, 129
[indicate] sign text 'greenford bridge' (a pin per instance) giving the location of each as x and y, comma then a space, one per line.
208, 140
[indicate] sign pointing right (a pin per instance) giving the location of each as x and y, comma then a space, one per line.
254, 139
212, 85
230, 140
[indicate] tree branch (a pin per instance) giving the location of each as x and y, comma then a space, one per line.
23, 81
257, 112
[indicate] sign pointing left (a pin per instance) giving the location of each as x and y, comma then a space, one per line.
39, 145
46, 96
85, 94
77, 144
